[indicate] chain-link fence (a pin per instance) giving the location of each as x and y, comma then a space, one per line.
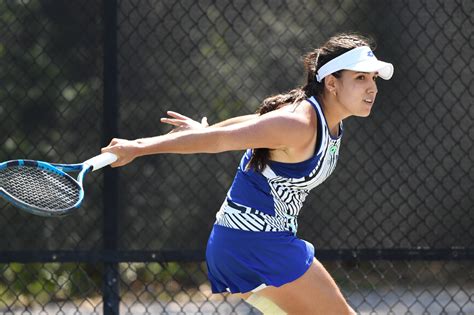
393, 224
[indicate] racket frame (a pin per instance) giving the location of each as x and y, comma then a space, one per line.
90, 165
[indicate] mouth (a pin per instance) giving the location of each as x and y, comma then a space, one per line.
369, 101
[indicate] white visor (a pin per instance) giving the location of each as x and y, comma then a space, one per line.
360, 59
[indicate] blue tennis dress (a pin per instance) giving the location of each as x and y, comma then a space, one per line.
253, 242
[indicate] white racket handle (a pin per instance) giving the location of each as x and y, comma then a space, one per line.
100, 161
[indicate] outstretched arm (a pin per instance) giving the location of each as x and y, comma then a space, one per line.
275, 130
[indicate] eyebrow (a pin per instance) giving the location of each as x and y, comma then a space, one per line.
357, 72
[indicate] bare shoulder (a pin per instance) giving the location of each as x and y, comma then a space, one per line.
304, 111
303, 133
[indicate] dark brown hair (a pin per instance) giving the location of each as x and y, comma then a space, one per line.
335, 46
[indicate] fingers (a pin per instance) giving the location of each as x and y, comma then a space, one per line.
178, 121
182, 122
110, 149
174, 122
113, 147
107, 149
113, 141
177, 115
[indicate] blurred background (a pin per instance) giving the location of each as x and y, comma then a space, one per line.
393, 224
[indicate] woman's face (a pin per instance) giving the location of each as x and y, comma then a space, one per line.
356, 92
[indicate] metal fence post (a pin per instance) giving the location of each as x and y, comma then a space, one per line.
110, 287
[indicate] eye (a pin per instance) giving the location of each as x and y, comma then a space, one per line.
360, 77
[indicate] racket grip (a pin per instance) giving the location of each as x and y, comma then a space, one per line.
100, 161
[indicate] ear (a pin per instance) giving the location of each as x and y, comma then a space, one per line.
330, 84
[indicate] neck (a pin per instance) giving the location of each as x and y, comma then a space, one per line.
333, 113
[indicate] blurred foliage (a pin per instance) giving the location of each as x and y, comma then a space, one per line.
26, 284
40, 283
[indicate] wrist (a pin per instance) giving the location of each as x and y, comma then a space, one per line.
139, 147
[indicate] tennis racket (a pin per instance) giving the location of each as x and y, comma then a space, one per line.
46, 189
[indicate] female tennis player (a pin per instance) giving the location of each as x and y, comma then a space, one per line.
292, 145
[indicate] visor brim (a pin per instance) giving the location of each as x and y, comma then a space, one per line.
384, 69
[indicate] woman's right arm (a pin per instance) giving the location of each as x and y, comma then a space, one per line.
275, 130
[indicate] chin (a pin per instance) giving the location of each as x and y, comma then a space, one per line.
363, 114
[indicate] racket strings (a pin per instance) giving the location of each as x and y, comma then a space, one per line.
40, 188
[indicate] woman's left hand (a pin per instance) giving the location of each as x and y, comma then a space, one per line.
183, 122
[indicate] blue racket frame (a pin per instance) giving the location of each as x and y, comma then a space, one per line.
84, 168
58, 169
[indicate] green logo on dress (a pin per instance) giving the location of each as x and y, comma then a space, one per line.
333, 149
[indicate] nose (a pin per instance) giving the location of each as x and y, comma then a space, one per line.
372, 89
